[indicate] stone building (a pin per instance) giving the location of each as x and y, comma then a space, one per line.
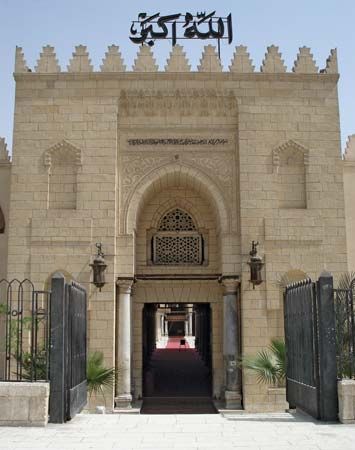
175, 172
5, 174
349, 193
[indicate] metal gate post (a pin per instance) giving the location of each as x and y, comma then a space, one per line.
328, 396
57, 399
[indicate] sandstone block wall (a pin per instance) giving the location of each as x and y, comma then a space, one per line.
257, 154
24, 404
349, 192
5, 175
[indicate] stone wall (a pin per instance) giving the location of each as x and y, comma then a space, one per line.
260, 150
349, 193
24, 404
346, 395
5, 175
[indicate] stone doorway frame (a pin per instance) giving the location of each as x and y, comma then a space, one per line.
154, 322
217, 290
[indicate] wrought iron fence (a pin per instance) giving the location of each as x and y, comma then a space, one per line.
345, 331
24, 331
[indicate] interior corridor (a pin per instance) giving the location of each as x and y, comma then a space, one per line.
177, 364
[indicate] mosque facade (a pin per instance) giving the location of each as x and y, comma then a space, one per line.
175, 173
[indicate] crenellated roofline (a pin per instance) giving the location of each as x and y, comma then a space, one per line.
177, 62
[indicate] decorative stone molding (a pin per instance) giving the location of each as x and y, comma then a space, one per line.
241, 62
176, 141
20, 63
177, 61
47, 62
289, 145
4, 154
218, 166
135, 167
113, 61
178, 102
145, 61
209, 61
215, 166
176, 203
142, 189
63, 147
80, 61
305, 62
125, 285
273, 62
230, 284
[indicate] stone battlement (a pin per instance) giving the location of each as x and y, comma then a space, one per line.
4, 154
177, 61
349, 154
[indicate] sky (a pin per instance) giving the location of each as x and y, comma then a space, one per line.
321, 25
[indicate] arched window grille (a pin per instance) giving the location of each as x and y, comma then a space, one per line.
177, 240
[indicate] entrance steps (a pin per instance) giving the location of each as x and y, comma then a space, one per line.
178, 405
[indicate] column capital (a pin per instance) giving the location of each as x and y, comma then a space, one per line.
230, 284
125, 284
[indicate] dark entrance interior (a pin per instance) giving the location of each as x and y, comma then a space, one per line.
177, 375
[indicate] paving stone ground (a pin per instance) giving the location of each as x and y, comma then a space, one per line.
138, 432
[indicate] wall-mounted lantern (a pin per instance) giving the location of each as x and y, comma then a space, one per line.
256, 264
98, 268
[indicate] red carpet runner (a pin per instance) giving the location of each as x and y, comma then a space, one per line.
174, 343
177, 382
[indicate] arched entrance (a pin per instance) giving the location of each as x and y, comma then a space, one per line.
182, 253
176, 353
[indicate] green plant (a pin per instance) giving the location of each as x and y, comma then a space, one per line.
343, 328
345, 280
269, 364
34, 367
98, 376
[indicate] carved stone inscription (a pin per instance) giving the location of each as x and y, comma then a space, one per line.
177, 141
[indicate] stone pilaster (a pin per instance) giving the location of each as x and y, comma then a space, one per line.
231, 342
123, 397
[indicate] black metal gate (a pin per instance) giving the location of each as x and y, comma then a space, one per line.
24, 331
68, 387
311, 379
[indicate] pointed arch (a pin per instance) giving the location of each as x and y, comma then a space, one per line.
61, 150
62, 161
198, 181
290, 161
289, 147
183, 204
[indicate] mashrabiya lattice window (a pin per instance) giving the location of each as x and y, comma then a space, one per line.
177, 241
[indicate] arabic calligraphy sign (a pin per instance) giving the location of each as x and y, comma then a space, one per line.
147, 29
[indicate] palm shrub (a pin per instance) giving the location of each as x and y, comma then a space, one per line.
97, 375
269, 364
344, 316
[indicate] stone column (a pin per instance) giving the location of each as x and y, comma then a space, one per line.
123, 397
231, 343
162, 324
190, 323
158, 332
